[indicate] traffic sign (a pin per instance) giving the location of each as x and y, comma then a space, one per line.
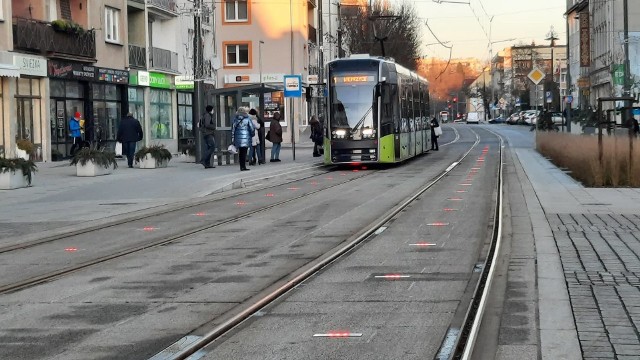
569, 99
549, 97
536, 75
292, 86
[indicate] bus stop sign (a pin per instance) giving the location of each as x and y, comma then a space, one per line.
292, 86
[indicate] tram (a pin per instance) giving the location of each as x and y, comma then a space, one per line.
377, 112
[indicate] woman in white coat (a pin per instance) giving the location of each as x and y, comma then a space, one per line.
254, 154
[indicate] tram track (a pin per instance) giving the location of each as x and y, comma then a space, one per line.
49, 276
188, 348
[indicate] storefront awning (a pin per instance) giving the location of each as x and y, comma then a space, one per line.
8, 70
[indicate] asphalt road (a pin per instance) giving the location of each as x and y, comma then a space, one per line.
135, 306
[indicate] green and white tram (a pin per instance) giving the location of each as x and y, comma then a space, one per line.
377, 112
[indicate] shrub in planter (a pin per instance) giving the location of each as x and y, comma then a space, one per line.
157, 153
19, 166
59, 25
105, 159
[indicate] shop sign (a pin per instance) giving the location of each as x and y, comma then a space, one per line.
113, 76
184, 82
585, 40
76, 71
618, 74
143, 78
159, 80
31, 66
253, 78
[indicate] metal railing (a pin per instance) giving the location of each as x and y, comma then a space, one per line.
137, 56
163, 59
169, 5
40, 37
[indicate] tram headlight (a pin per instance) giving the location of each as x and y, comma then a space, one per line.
368, 133
339, 133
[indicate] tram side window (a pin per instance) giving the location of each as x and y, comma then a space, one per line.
386, 112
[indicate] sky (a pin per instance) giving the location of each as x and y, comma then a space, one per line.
467, 26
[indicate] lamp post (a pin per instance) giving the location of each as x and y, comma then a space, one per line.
260, 61
552, 36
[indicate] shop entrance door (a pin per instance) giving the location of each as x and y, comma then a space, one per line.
61, 140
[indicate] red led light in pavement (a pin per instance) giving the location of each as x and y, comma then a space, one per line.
314, 183
269, 195
461, 191
364, 168
148, 228
200, 214
70, 249
338, 334
329, 178
465, 184
241, 203
423, 244
438, 223
475, 168
455, 199
392, 276
449, 209
355, 170
293, 188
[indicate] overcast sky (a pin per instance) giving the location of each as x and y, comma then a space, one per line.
466, 26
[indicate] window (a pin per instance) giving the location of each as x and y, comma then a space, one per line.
237, 55
160, 114
111, 24
236, 11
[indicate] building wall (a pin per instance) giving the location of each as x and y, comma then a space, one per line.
109, 55
6, 33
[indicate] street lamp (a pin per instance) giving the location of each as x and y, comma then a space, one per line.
260, 60
552, 36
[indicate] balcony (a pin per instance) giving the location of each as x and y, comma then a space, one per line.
163, 9
39, 37
312, 3
162, 59
312, 34
137, 57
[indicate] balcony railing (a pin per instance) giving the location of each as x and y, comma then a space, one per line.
137, 56
39, 37
164, 8
312, 34
162, 59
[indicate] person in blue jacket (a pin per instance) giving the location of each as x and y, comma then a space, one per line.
75, 131
242, 131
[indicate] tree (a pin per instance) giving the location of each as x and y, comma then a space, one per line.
400, 36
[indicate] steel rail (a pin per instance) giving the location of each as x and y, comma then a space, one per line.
473, 318
243, 315
127, 251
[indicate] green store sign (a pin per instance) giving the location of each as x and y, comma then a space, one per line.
151, 79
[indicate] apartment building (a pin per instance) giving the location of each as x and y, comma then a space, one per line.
260, 42
60, 57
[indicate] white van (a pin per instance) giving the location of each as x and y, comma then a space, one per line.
473, 118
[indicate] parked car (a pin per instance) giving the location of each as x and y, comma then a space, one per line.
531, 117
557, 118
498, 120
513, 119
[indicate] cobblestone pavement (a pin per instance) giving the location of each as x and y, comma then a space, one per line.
600, 254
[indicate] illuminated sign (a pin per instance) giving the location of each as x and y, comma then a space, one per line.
352, 79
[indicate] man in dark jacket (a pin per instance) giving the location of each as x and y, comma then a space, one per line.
129, 132
208, 129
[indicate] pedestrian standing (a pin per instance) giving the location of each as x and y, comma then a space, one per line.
208, 130
434, 138
75, 130
255, 141
275, 136
261, 136
636, 127
316, 135
242, 131
129, 132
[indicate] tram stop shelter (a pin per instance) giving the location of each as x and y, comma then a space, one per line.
226, 101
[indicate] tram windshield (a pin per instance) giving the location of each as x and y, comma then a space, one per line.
352, 100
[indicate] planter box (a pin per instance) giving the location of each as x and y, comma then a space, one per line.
91, 169
22, 154
13, 180
150, 163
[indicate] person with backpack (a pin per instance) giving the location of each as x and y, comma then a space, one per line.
242, 131
316, 135
208, 129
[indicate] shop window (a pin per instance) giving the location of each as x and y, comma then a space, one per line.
111, 25
56, 87
106, 112
185, 115
160, 114
237, 54
236, 11
136, 103
28, 112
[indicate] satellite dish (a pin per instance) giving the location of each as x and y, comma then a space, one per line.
215, 63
